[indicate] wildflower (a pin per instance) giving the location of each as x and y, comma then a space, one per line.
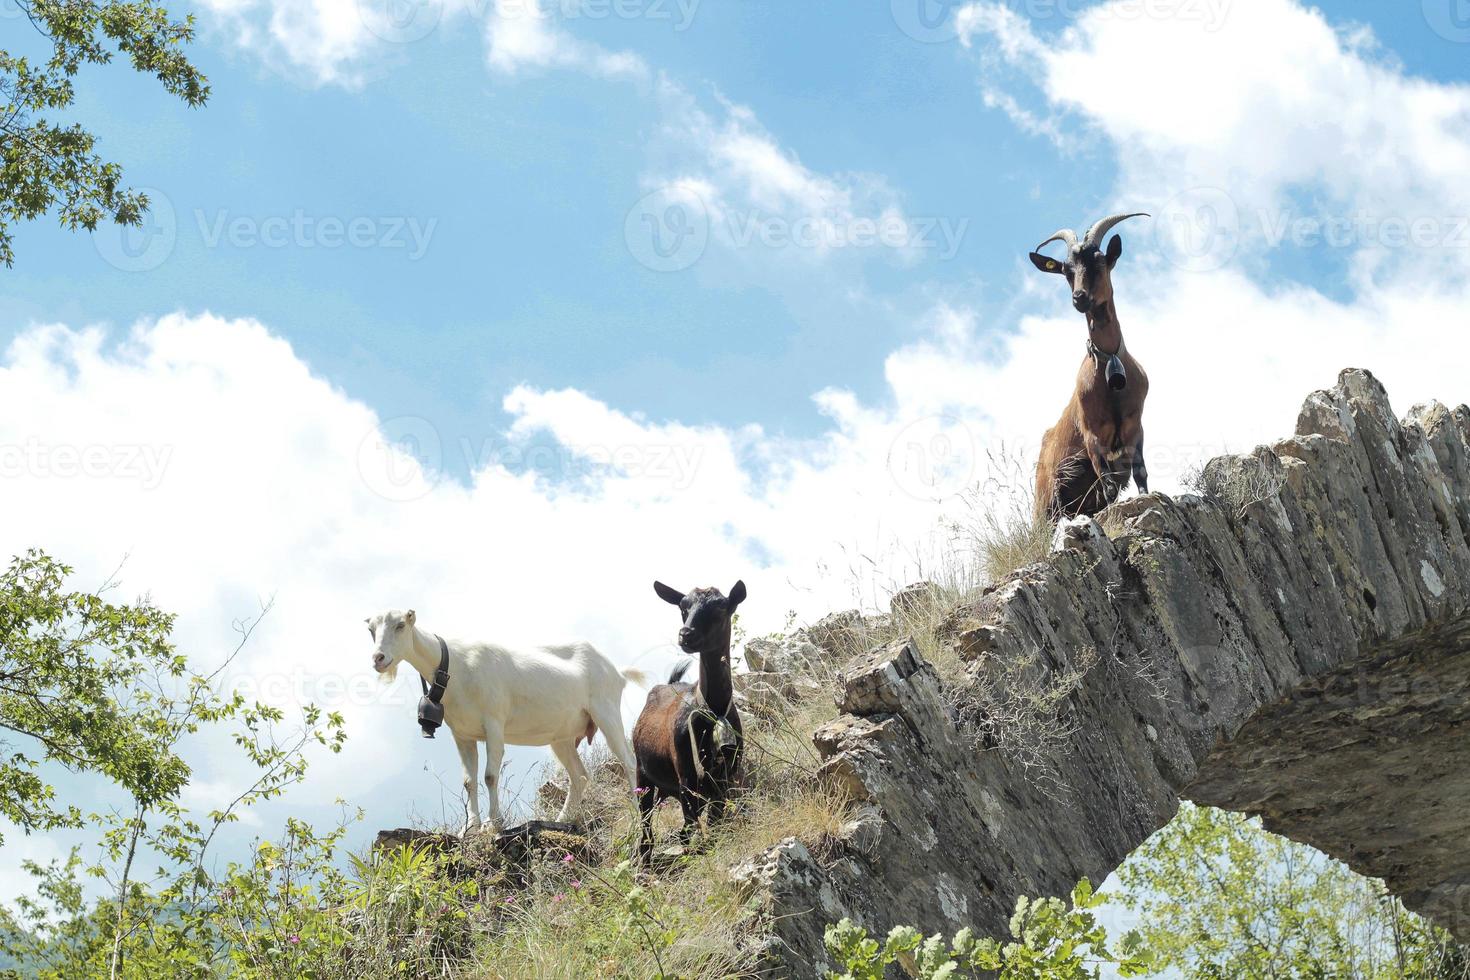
556, 899
510, 900
576, 882
639, 791
293, 939
568, 859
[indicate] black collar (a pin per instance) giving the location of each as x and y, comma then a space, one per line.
431, 711
441, 676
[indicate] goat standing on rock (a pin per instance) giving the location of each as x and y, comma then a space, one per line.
688, 739
554, 695
1087, 457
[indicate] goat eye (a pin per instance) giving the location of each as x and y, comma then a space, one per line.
398, 627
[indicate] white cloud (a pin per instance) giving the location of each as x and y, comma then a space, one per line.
524, 34
206, 453
325, 39
1234, 123
264, 479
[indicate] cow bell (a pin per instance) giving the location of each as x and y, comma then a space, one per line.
1117, 375
431, 716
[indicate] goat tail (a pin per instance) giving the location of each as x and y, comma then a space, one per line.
677, 674
639, 677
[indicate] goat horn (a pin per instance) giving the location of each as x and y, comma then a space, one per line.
1065, 235
1097, 232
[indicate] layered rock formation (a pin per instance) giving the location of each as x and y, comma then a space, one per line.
1295, 644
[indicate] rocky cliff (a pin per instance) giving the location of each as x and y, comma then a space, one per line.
1295, 644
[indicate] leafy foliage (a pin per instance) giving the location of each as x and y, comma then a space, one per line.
1221, 897
76, 674
98, 688
1051, 941
45, 164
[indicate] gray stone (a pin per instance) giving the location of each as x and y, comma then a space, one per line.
839, 635
782, 654
915, 600
1294, 644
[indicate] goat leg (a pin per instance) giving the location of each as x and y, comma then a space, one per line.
647, 801
692, 804
1140, 470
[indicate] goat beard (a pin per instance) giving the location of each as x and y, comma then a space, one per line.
386, 677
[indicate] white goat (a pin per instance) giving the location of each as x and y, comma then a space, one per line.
556, 696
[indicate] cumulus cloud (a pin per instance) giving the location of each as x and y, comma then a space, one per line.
1247, 128
335, 42
746, 192
525, 34
226, 470
210, 457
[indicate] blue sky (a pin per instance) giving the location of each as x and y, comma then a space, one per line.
524, 185
517, 419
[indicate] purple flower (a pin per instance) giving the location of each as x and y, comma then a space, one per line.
293, 939
568, 859
576, 882
639, 791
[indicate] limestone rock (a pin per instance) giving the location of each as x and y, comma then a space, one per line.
782, 655
1294, 643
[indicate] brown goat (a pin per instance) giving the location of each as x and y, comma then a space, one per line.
1087, 457
688, 740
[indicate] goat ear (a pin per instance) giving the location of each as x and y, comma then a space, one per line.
1046, 263
736, 596
1115, 249
409, 617
668, 594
